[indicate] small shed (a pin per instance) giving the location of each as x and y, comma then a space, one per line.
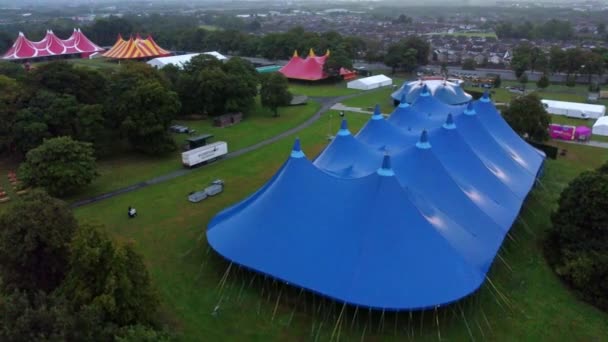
371, 82
227, 119
198, 141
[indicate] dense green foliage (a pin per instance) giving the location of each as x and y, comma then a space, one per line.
527, 116
64, 282
576, 243
407, 54
543, 82
134, 105
60, 165
468, 64
208, 86
274, 91
572, 61
111, 277
34, 243
337, 59
551, 29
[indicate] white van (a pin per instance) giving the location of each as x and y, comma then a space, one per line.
204, 153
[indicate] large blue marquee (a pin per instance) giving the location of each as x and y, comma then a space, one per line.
408, 214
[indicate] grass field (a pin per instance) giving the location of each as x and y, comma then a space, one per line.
127, 169
525, 302
370, 99
321, 90
209, 27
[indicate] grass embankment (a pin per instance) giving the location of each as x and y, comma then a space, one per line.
169, 232
127, 169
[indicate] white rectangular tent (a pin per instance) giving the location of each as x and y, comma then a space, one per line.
574, 109
371, 82
180, 60
600, 127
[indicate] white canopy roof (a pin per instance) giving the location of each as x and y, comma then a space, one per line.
591, 110
180, 60
600, 127
370, 82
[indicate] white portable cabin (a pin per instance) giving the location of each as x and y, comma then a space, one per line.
180, 60
574, 109
371, 82
600, 127
204, 153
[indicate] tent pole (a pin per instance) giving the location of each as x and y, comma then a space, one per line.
437, 321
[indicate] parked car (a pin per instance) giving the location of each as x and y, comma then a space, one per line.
179, 129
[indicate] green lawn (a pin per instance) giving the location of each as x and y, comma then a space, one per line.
321, 90
123, 170
370, 99
534, 305
209, 27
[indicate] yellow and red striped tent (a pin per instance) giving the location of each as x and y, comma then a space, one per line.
136, 48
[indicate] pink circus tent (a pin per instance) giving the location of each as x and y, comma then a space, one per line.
51, 45
308, 69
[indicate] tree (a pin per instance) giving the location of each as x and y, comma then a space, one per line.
47, 317
407, 54
468, 64
497, 81
60, 165
543, 82
557, 59
242, 86
147, 111
521, 59
109, 277
527, 116
274, 92
577, 240
11, 70
336, 60
444, 69
523, 79
34, 242
9, 96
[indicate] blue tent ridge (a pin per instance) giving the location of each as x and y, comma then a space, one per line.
296, 151
377, 114
470, 110
386, 169
449, 122
344, 128
424, 143
425, 91
485, 97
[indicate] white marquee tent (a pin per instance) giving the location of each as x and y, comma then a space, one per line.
180, 60
600, 127
574, 109
371, 82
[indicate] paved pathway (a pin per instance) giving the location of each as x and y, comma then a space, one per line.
593, 143
326, 104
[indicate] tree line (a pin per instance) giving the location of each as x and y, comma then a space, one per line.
552, 29
129, 108
572, 62
65, 281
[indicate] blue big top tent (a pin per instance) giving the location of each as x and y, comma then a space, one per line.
408, 214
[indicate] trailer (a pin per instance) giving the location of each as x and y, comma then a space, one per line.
204, 154
574, 109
